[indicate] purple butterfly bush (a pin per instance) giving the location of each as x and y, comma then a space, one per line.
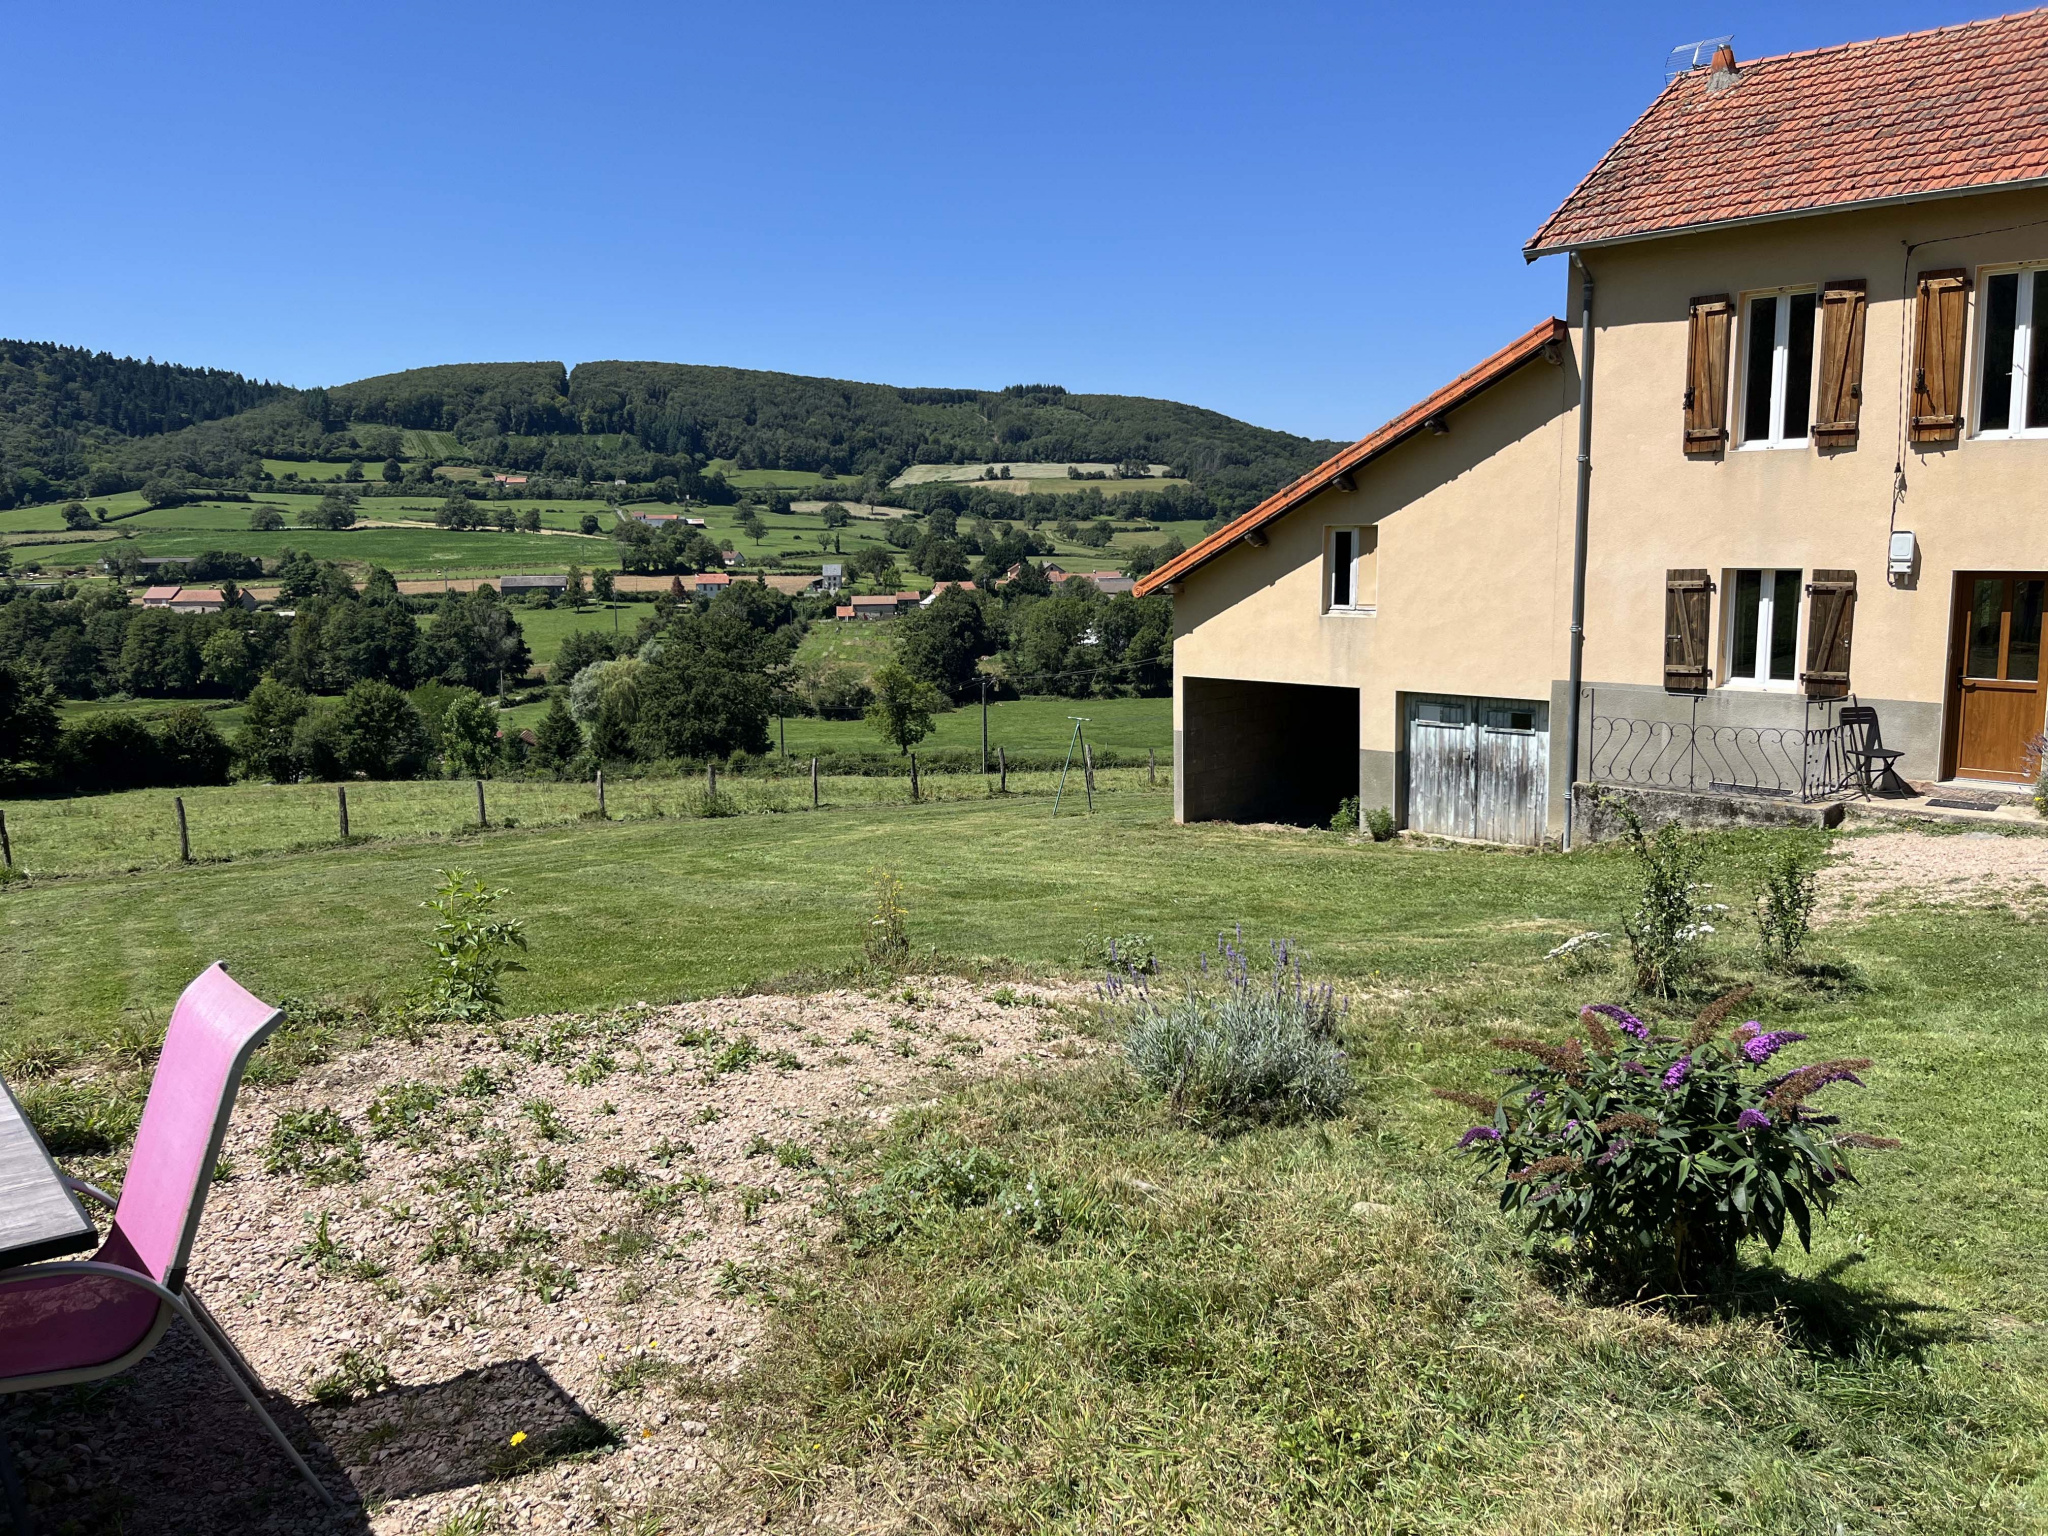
1628, 1023
1676, 1072
1760, 1048
1478, 1133
1752, 1120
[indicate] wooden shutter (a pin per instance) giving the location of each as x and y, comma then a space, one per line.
1706, 374
1687, 598
1840, 406
1830, 616
1938, 355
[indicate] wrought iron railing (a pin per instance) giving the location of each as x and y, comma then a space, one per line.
1807, 761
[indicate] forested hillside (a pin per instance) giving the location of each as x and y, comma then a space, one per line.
74, 423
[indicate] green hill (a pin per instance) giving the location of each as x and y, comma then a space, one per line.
74, 423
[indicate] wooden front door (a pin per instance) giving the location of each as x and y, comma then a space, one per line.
1996, 695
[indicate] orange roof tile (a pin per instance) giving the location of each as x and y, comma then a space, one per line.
1957, 109
1524, 348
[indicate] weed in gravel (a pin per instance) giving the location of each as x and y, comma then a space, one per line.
479, 1521
759, 1145
582, 1437
708, 1114
786, 1061
905, 1048
454, 1240
548, 1123
28, 1059
752, 1198
635, 1371
317, 1145
620, 1176
549, 1174
794, 1154
655, 1199
1006, 997
696, 1036
355, 1374
622, 1245
736, 1057
551, 1042
328, 1256
482, 1083
861, 1036
399, 1113
546, 1279
224, 1168
665, 1152
594, 1069
81, 1119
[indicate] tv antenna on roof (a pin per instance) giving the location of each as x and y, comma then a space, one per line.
1687, 57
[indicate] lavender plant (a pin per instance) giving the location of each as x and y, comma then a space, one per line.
1235, 1046
1653, 1151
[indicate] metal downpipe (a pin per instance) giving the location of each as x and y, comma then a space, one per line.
1585, 491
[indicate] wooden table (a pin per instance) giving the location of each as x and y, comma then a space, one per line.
39, 1217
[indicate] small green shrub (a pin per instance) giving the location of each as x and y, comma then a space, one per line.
1133, 953
1248, 1049
1345, 817
472, 950
1379, 821
1669, 928
317, 1145
1657, 1153
886, 945
1786, 889
921, 1186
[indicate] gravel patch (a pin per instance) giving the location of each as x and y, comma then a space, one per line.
492, 1277
1956, 869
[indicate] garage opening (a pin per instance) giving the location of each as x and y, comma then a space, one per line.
1282, 752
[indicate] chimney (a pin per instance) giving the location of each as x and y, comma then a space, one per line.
1724, 76
1724, 60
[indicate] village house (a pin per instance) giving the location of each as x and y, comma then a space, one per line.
513, 585
832, 578
194, 599
1783, 457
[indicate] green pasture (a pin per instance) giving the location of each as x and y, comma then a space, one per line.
546, 628
318, 470
137, 829
1017, 725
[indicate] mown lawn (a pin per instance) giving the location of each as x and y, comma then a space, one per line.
1309, 1328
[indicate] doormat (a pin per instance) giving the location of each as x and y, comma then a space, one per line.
1960, 804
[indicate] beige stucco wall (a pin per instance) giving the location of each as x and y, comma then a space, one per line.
1474, 568
1474, 561
1974, 505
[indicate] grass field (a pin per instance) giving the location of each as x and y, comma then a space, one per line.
1321, 1327
1019, 725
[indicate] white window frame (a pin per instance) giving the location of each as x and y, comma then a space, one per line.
1765, 615
2022, 349
1781, 350
1359, 537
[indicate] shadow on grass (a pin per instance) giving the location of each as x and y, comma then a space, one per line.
1818, 1314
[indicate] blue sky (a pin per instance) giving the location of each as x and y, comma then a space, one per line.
1303, 215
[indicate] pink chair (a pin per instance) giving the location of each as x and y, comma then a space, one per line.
79, 1320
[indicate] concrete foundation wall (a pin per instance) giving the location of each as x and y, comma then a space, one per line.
1597, 822
1264, 751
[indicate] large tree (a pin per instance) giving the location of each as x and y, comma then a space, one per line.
474, 640
943, 643
904, 706
710, 685
28, 726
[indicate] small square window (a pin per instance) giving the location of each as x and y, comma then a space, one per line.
1351, 571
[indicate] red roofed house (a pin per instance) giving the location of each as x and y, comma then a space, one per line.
1788, 277
192, 599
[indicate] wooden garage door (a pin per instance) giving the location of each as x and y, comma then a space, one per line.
1478, 767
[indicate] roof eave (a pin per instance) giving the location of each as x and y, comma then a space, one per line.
1533, 252
1523, 350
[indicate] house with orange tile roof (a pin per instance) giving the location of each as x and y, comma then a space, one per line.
1757, 518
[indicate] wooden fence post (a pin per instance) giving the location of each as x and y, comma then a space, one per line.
913, 778
600, 796
481, 819
814, 783
184, 838
711, 780
1088, 773
1003, 770
341, 800
1152, 765
6, 846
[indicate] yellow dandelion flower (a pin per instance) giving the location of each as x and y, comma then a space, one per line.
519, 1438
